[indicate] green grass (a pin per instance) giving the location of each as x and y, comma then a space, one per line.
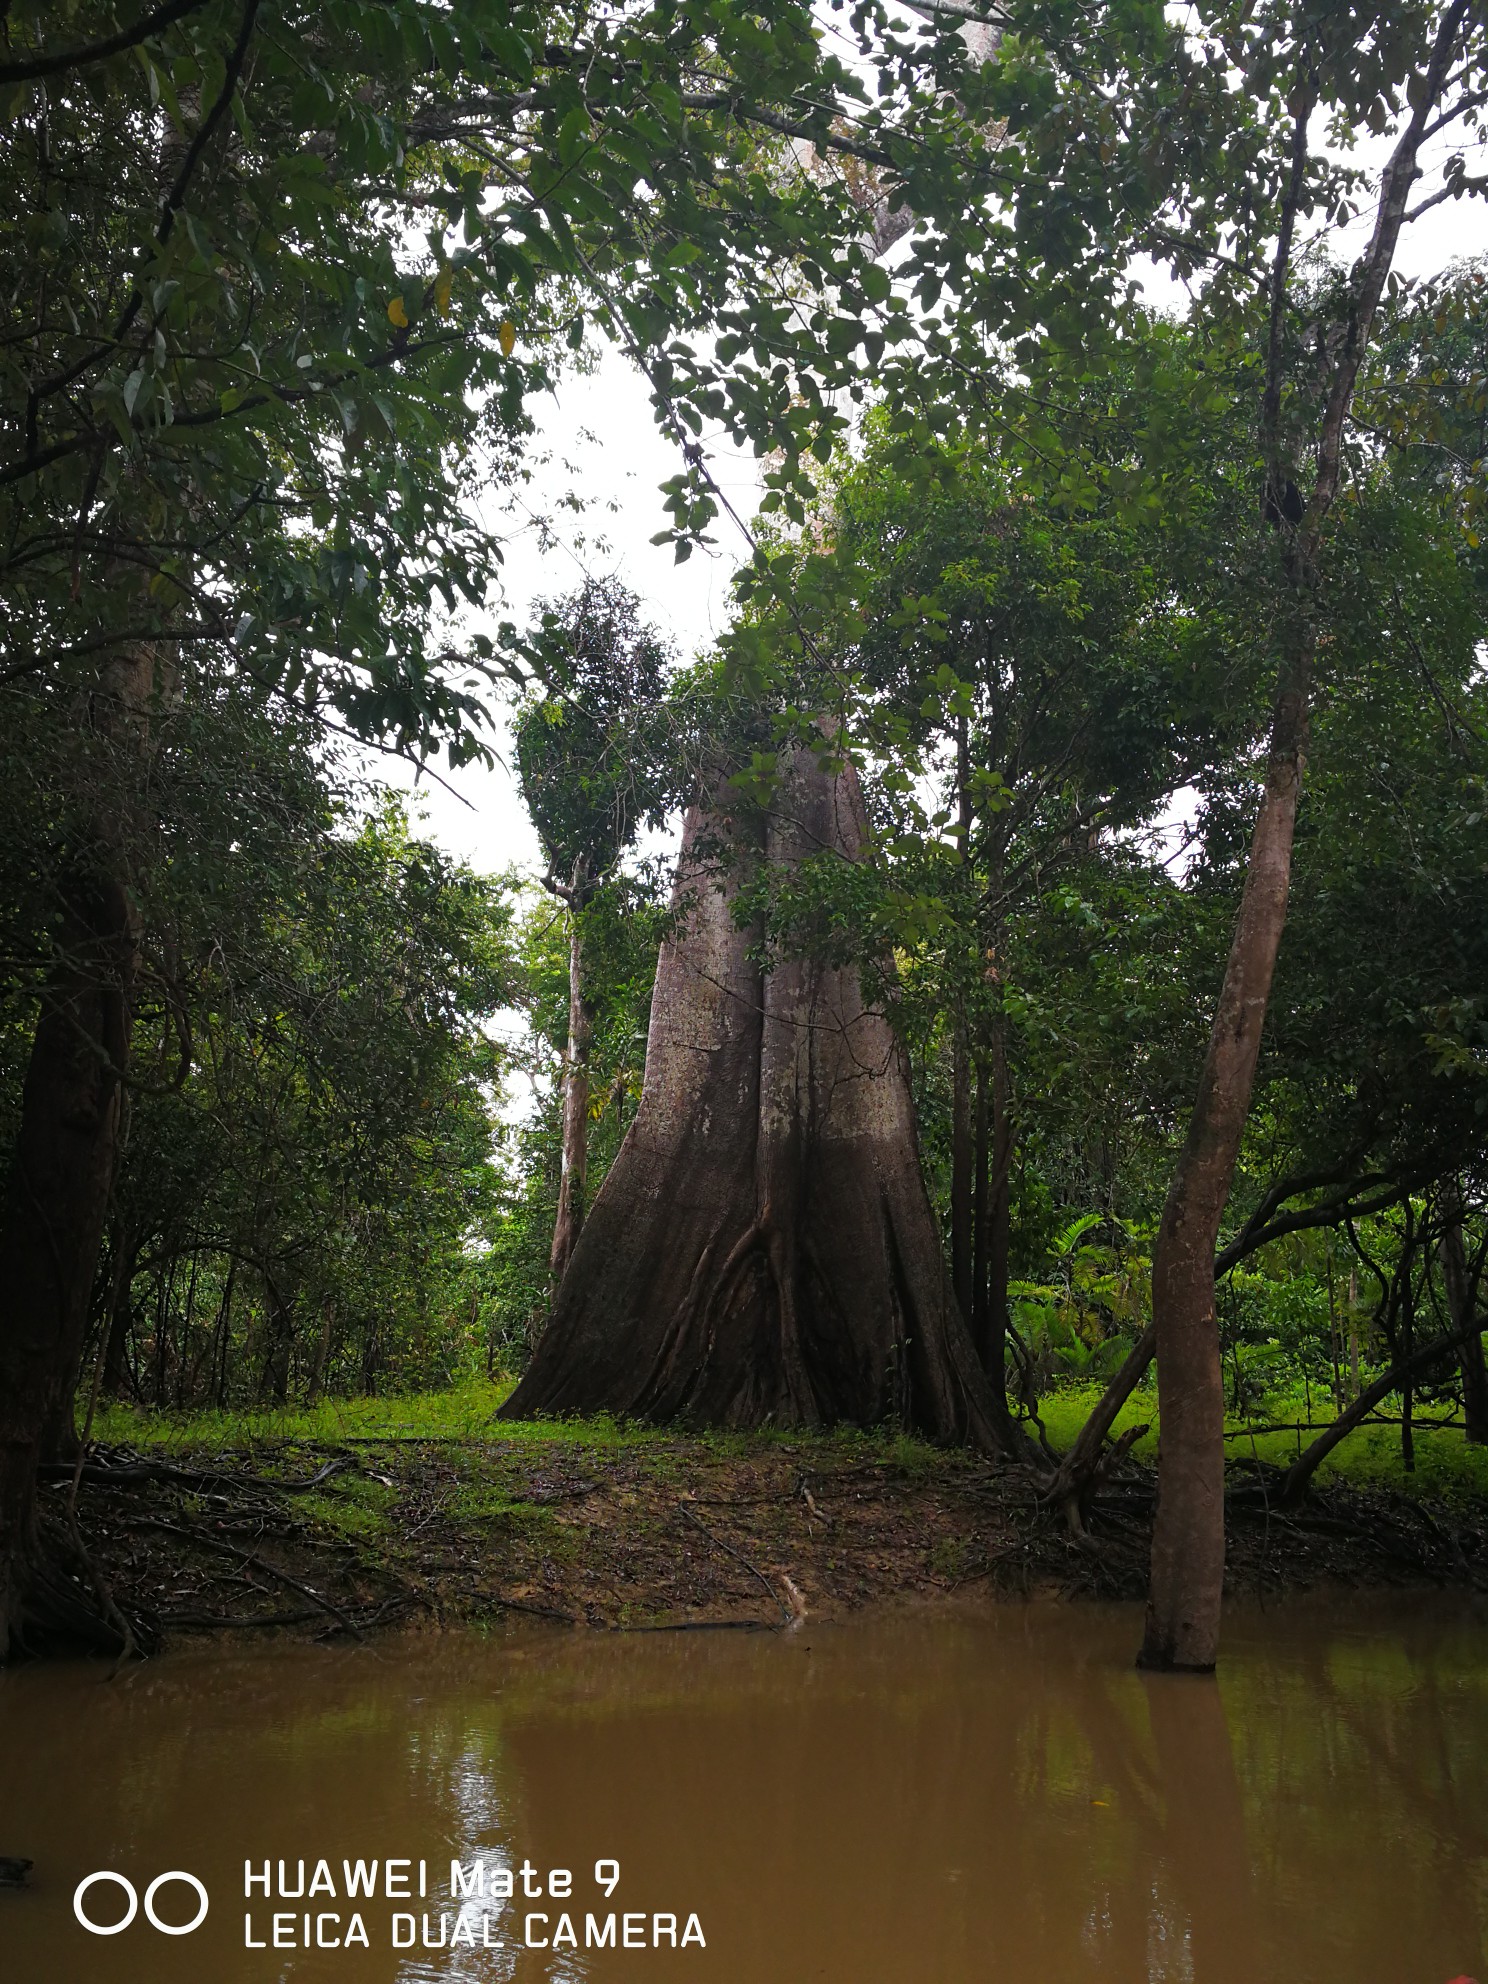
1445, 1464
356, 1507
1369, 1456
463, 1412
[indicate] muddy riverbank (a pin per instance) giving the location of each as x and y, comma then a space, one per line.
615, 1530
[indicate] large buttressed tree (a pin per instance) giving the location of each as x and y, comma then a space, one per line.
281, 281
763, 1250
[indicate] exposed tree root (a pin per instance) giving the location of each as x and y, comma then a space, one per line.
59, 1602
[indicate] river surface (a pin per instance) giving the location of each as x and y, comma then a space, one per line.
996, 1798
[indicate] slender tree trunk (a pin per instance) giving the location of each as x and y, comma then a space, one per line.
575, 1161
222, 1335
993, 1344
963, 1174
1077, 1471
1188, 1535
763, 1249
963, 1153
981, 1228
322, 1350
185, 1369
1351, 1319
1461, 1303
275, 1381
1407, 1345
119, 1322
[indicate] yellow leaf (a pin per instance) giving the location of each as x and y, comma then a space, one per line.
508, 336
397, 314
442, 287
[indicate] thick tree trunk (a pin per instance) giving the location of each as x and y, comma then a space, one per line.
1461, 1302
1188, 1540
763, 1250
575, 1160
56, 1205
62, 1167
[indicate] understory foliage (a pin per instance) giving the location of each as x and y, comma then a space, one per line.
307, 1168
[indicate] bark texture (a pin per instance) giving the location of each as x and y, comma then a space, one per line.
1188, 1534
57, 1193
575, 1159
763, 1249
1461, 1305
56, 1204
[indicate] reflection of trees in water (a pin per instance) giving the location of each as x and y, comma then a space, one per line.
1204, 1844
1362, 1757
920, 1803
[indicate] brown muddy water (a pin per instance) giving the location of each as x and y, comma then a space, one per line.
907, 1800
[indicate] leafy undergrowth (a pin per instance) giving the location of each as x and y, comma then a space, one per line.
1370, 1456
357, 1514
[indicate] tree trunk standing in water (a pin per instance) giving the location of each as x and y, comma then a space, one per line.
62, 1168
1188, 1536
763, 1250
575, 1157
1188, 1541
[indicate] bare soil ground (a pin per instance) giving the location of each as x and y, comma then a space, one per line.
673, 1533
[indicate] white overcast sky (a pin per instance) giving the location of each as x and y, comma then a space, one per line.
601, 436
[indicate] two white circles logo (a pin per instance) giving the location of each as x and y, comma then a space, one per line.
132, 1902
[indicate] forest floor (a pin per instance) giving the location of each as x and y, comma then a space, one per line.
442, 1513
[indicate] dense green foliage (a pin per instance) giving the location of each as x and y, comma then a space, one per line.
285, 285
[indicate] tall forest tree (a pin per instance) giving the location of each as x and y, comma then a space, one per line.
589, 757
763, 1249
1434, 80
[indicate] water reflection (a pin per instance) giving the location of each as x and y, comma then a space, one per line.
1000, 1799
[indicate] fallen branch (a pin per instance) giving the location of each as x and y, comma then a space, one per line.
100, 1474
1077, 1471
721, 1543
1305, 1465
247, 1557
